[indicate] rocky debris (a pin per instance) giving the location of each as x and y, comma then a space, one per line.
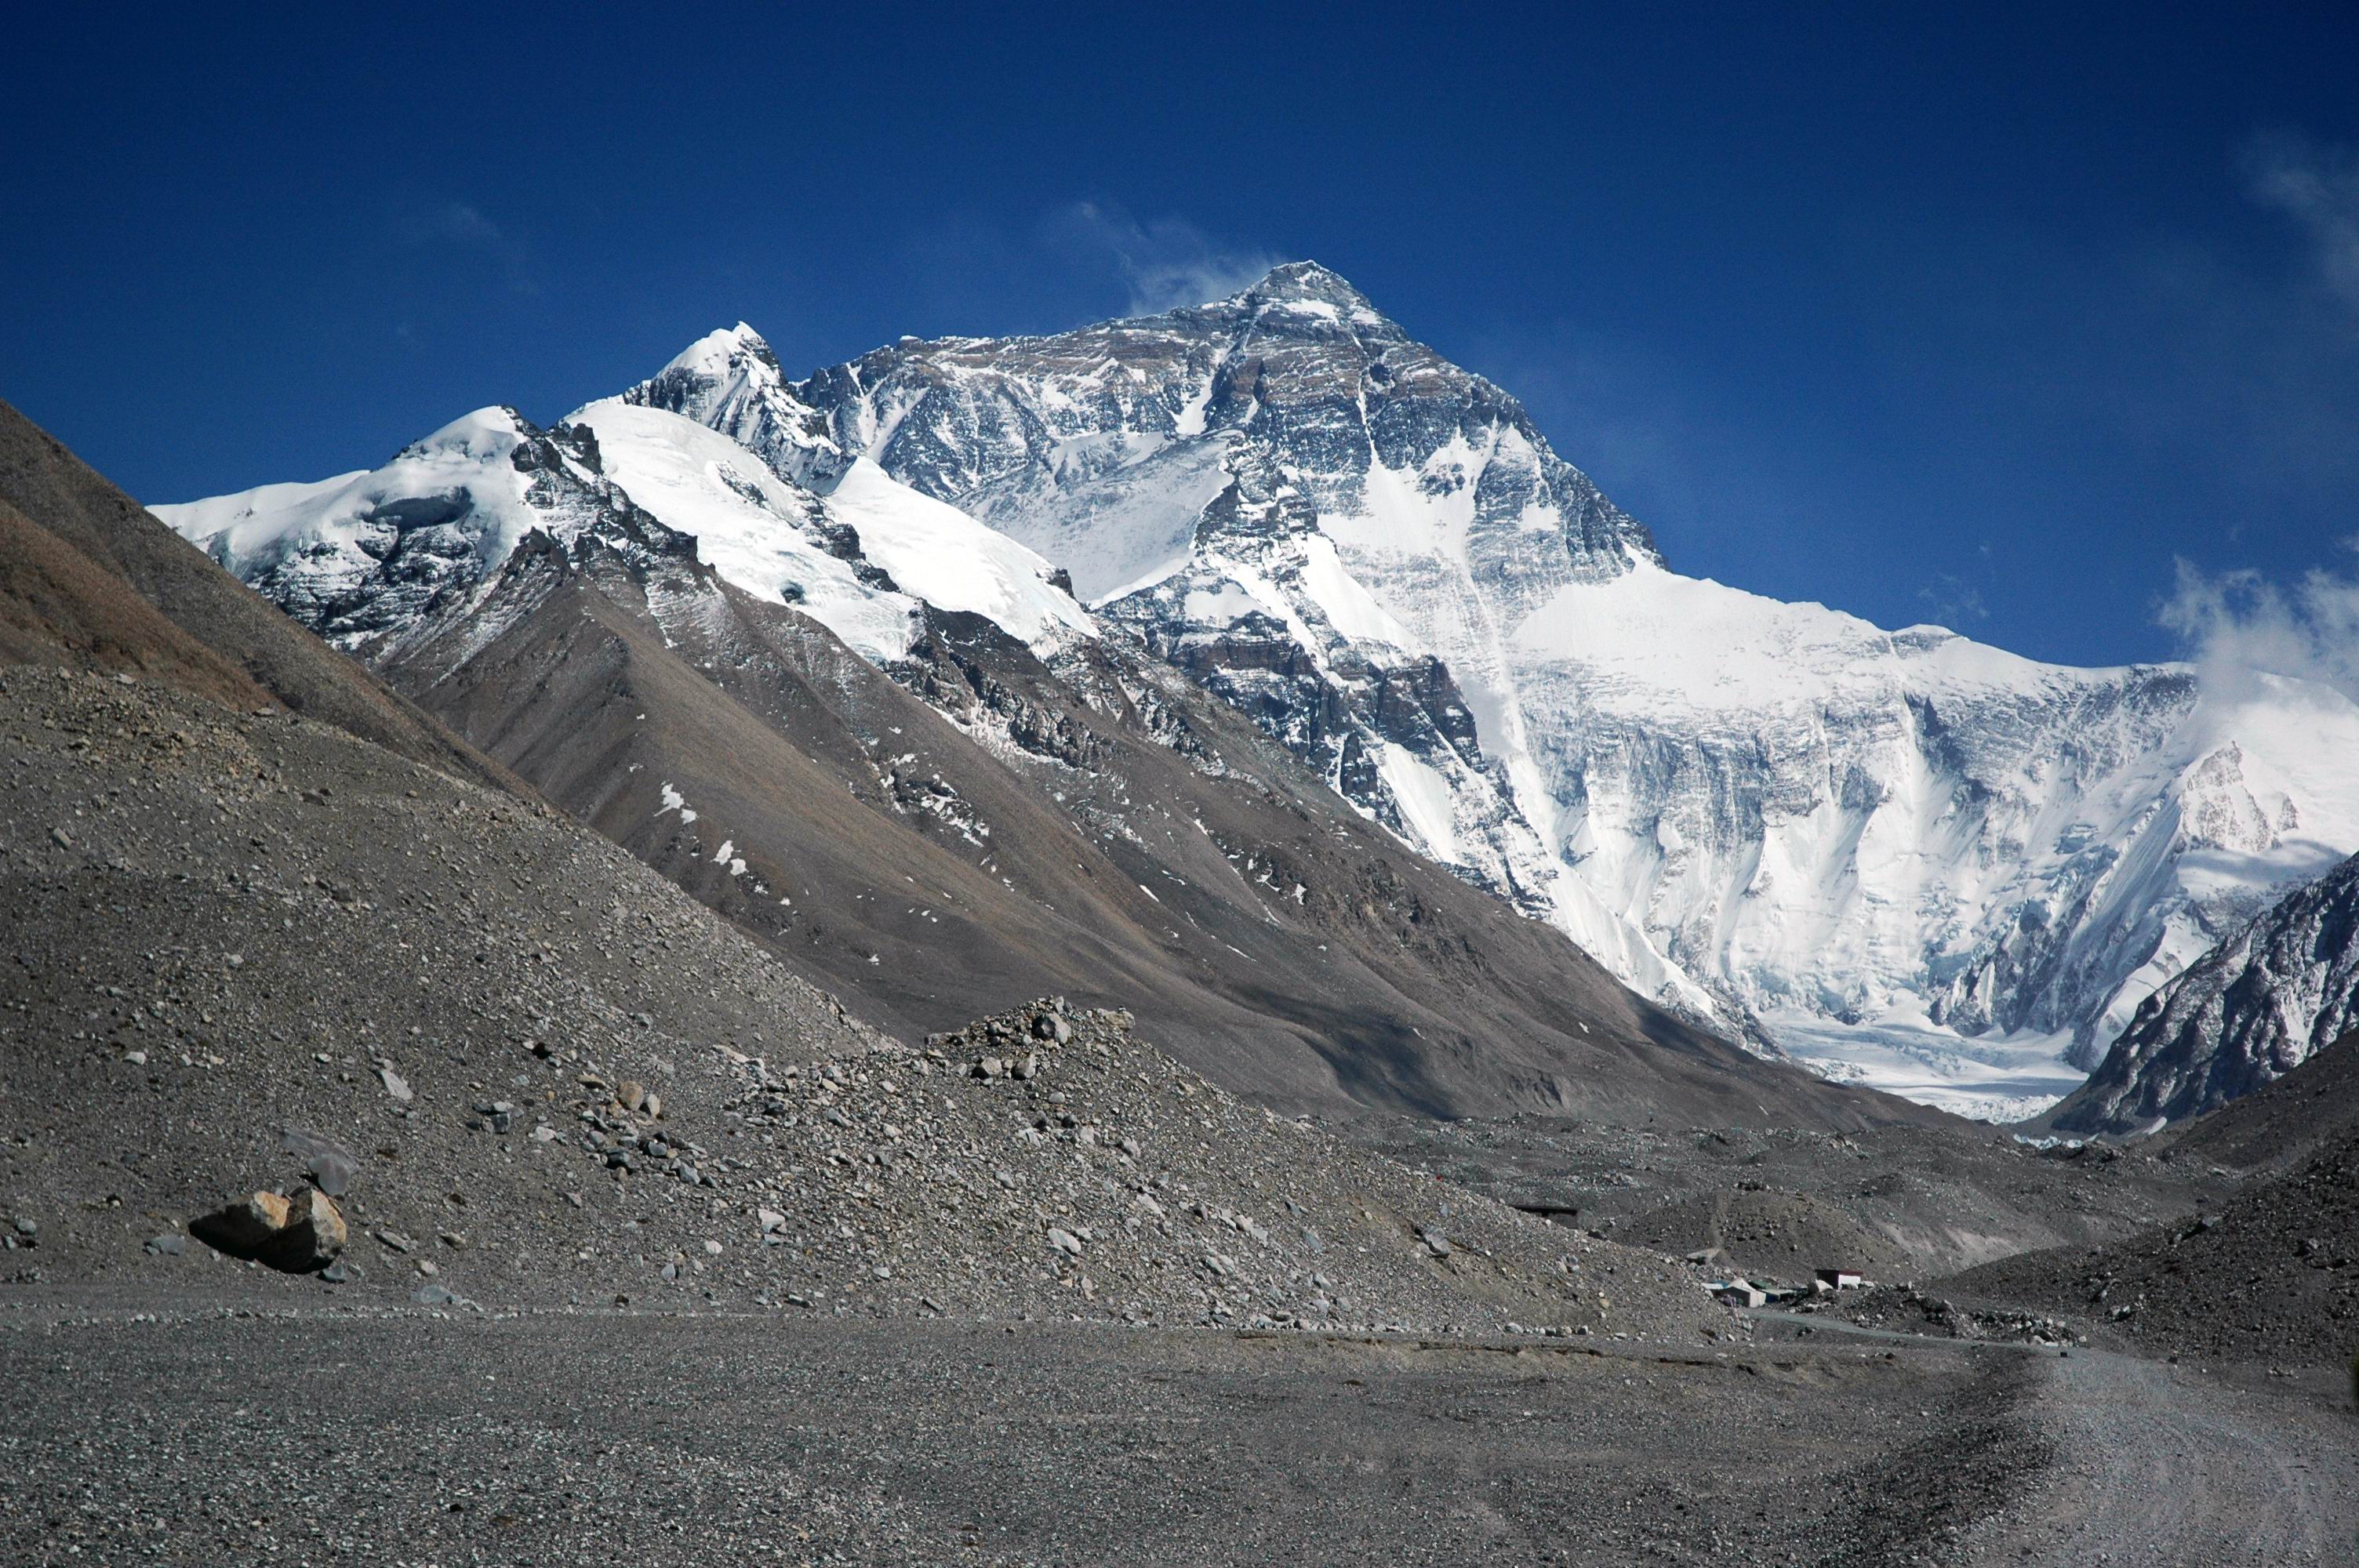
1892, 1203
938, 1179
297, 1235
1906, 1310
2272, 1274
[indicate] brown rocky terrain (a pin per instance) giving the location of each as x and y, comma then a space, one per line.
2260, 1259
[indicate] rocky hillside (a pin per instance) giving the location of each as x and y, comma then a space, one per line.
2271, 1275
250, 949
105, 551
2246, 1014
2279, 1126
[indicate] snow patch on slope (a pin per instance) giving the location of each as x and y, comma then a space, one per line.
949, 559
750, 526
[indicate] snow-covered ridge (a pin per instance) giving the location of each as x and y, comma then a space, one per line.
365, 556
2246, 1014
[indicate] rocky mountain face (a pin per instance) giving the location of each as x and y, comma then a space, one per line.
2249, 1012
1916, 861
886, 738
1920, 860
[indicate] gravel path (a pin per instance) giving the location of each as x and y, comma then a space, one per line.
2163, 1464
625, 1437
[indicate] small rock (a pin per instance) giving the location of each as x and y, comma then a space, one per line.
394, 1085
1064, 1241
171, 1244
328, 1164
631, 1096
342, 1271
136, 1058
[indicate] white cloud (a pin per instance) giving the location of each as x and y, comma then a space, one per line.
2234, 623
455, 222
1955, 601
1165, 263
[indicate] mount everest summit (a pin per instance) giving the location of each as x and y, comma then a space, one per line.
1912, 859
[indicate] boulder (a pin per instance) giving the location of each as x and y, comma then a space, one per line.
312, 1237
300, 1234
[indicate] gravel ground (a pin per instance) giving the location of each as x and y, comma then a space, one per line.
560, 1438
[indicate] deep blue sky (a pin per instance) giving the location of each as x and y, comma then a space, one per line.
1977, 320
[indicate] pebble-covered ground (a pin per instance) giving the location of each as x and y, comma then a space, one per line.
610, 1437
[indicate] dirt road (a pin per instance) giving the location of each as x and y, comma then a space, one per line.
2162, 1465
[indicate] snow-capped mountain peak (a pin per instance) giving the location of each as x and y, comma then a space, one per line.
730, 381
365, 555
366, 558
1307, 290
1920, 859
1907, 857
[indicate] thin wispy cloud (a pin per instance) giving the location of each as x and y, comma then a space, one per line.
2318, 187
1165, 263
1954, 600
2235, 624
429, 224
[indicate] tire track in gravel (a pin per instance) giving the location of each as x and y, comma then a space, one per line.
2163, 1466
